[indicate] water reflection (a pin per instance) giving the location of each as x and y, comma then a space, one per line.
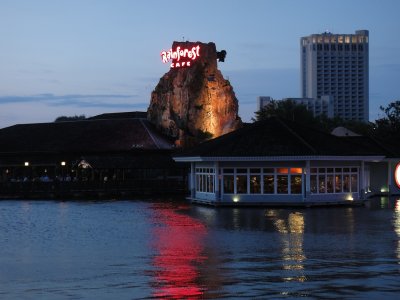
396, 223
178, 240
291, 229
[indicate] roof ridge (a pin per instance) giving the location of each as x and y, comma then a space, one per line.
150, 134
297, 135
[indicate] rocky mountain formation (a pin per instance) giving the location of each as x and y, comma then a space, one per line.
192, 101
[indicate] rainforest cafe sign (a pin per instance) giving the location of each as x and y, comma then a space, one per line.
180, 57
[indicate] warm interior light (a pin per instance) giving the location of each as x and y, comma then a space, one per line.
26, 164
296, 170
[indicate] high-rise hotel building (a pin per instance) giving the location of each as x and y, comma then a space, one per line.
337, 65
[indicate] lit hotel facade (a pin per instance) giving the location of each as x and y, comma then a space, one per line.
337, 65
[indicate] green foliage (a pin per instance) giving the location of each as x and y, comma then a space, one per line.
73, 118
287, 109
290, 110
388, 127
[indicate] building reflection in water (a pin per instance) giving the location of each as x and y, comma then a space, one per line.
178, 241
291, 229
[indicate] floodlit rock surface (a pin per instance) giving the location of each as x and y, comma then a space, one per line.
193, 103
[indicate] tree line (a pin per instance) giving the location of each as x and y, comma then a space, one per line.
385, 128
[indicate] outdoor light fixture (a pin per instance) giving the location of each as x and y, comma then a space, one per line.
26, 164
236, 199
63, 163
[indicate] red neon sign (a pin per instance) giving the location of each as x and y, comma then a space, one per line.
397, 175
180, 57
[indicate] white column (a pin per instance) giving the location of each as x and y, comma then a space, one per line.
308, 186
192, 180
216, 182
362, 180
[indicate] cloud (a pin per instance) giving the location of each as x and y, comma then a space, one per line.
78, 100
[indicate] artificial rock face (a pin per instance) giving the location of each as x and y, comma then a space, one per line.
193, 102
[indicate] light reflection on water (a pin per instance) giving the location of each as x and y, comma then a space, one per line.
178, 240
396, 223
166, 250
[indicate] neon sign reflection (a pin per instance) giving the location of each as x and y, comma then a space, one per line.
179, 244
180, 57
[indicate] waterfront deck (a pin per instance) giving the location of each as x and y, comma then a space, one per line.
277, 204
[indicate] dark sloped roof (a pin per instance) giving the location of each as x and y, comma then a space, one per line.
121, 115
82, 136
278, 137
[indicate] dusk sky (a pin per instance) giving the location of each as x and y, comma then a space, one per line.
92, 56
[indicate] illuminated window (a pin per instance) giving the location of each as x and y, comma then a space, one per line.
334, 180
329, 183
321, 184
354, 183
346, 183
205, 178
269, 183
295, 184
313, 184
296, 170
282, 170
282, 184
255, 184
228, 184
241, 184
338, 183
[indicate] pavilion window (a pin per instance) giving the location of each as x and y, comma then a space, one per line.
313, 183
282, 180
255, 184
241, 184
338, 183
205, 180
269, 184
346, 183
255, 181
228, 181
329, 184
321, 184
295, 184
334, 180
229, 184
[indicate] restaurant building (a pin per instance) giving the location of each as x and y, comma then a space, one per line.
117, 154
284, 163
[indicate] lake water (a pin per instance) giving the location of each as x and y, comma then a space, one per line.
173, 250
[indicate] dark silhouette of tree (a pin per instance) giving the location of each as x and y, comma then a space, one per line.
287, 109
388, 127
290, 110
73, 118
